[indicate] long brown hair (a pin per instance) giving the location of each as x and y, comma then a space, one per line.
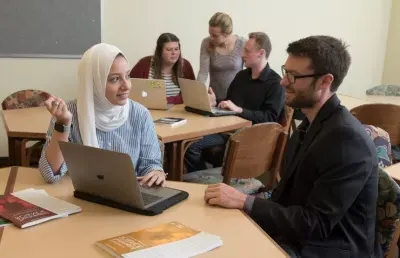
157, 58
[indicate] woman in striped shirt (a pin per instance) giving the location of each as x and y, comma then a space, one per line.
220, 55
103, 117
166, 63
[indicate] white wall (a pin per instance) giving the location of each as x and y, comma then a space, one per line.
391, 73
134, 26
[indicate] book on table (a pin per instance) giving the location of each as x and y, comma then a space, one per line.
171, 239
31, 207
171, 121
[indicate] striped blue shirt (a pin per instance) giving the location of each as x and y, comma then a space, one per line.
136, 137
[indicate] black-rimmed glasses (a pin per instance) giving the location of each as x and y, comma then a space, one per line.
292, 78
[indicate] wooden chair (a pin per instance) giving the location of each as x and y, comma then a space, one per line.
215, 154
250, 152
385, 116
270, 179
27, 99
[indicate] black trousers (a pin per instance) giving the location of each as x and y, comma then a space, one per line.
193, 156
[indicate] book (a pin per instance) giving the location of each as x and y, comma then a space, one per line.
171, 121
43, 200
171, 239
23, 214
30, 207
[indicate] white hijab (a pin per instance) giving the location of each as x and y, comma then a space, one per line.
94, 109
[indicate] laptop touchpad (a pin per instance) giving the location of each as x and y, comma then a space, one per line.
164, 192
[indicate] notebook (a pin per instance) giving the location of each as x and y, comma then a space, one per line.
171, 239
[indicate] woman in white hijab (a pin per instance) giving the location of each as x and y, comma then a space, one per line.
104, 117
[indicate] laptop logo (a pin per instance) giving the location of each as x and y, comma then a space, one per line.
144, 94
101, 177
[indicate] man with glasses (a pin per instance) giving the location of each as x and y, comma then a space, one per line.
254, 94
325, 204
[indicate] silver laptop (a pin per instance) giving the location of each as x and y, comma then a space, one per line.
111, 175
151, 93
195, 98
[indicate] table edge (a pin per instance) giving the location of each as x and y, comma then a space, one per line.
190, 135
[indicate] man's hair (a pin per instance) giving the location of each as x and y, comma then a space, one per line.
327, 54
262, 41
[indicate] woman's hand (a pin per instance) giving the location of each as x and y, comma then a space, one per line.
59, 110
153, 178
211, 97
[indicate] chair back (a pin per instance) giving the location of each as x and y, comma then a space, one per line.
251, 151
25, 99
385, 116
387, 213
286, 118
287, 122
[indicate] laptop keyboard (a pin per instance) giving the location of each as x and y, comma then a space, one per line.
150, 198
222, 111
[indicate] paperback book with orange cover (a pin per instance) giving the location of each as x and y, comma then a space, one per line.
166, 240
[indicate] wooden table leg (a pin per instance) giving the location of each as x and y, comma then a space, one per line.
12, 151
172, 158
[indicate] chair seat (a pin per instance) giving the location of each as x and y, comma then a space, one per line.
214, 176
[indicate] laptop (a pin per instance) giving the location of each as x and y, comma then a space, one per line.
108, 178
151, 93
195, 98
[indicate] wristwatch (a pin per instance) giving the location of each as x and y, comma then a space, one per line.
61, 128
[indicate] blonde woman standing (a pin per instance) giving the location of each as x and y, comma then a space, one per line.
220, 55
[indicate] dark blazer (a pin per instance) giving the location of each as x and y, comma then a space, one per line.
325, 203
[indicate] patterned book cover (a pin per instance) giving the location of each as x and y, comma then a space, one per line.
20, 212
147, 238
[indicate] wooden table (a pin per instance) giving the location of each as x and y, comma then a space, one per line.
22, 125
75, 236
352, 102
32, 124
395, 100
180, 138
394, 172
